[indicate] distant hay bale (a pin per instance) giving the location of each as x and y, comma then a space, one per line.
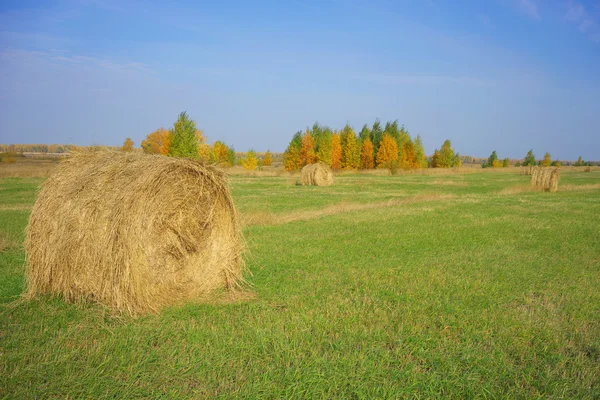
318, 174
527, 170
545, 178
133, 232
588, 169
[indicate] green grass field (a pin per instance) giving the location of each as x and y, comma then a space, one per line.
447, 286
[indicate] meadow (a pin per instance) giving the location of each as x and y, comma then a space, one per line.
460, 284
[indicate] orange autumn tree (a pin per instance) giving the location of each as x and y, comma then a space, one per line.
336, 152
156, 142
307, 149
127, 145
366, 156
387, 153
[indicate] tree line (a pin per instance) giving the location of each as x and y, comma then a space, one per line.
530, 161
36, 148
184, 139
389, 146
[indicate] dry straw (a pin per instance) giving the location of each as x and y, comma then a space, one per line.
133, 232
545, 178
318, 174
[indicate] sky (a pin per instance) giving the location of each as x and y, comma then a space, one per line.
504, 75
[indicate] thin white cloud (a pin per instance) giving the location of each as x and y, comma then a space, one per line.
585, 22
529, 7
79, 60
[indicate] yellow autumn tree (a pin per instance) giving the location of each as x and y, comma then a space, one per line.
203, 147
220, 152
127, 145
387, 153
350, 149
156, 142
336, 152
268, 158
547, 160
307, 150
366, 156
291, 158
408, 157
250, 162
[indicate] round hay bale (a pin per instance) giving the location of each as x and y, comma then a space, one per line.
545, 178
535, 174
133, 232
318, 174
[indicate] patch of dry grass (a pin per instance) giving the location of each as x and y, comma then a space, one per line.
518, 189
569, 187
28, 168
438, 182
15, 207
575, 188
421, 171
263, 172
266, 218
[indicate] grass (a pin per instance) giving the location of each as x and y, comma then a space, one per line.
452, 286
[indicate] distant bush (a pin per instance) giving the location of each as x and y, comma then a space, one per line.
127, 145
267, 159
9, 158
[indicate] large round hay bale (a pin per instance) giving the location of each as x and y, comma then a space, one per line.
318, 174
133, 232
545, 178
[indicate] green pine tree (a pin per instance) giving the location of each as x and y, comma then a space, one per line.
529, 160
182, 138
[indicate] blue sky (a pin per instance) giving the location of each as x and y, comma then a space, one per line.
508, 75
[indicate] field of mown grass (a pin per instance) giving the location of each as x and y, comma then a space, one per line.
448, 286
